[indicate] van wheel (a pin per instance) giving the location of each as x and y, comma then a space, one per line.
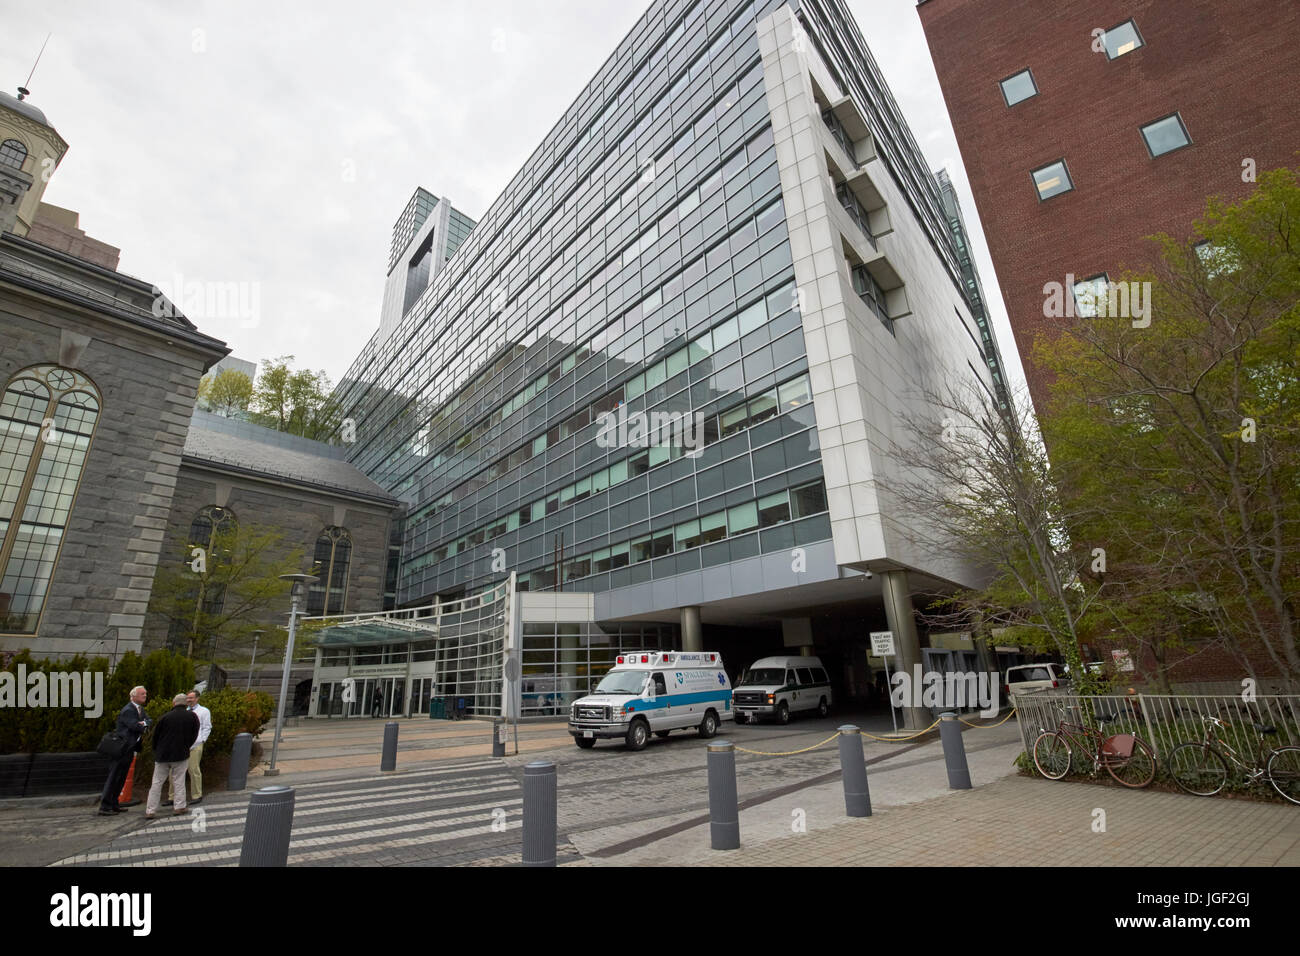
586, 743
709, 725
662, 733
638, 735
822, 708
783, 713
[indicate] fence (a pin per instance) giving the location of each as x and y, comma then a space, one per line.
1165, 720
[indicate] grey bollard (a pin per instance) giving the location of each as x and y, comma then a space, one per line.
239, 754
539, 813
724, 814
498, 737
954, 752
267, 828
389, 760
853, 768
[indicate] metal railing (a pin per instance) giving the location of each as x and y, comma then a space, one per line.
1166, 720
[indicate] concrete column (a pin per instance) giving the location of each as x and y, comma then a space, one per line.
796, 633
692, 637
902, 622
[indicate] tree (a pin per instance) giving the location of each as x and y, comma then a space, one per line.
980, 490
227, 393
1177, 437
298, 402
214, 598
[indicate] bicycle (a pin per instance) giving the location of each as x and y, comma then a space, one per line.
1127, 758
1201, 767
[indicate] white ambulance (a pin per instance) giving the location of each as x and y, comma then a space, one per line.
654, 692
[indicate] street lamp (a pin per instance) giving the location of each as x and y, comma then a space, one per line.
252, 661
299, 585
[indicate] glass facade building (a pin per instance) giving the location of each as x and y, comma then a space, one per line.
659, 254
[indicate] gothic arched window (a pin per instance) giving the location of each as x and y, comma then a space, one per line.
13, 154
333, 559
47, 421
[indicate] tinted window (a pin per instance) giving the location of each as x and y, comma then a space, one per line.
789, 677
1165, 135
660, 686
1019, 87
806, 675
1052, 180
1122, 39
820, 675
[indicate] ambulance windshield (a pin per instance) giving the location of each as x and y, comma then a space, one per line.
621, 682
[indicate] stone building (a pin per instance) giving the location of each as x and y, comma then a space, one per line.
98, 384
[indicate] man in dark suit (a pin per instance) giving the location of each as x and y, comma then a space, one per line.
131, 723
172, 739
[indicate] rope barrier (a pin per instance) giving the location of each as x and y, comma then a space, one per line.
989, 726
891, 740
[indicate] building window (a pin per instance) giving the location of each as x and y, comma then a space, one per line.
333, 560
13, 154
1091, 295
47, 420
1019, 87
1165, 135
1052, 180
1122, 39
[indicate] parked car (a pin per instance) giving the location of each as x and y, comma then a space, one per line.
1030, 677
780, 686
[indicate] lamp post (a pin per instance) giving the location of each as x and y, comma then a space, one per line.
252, 661
299, 583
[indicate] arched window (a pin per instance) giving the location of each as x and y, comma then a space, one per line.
333, 559
13, 154
210, 529
47, 421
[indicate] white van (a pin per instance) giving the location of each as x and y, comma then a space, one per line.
654, 692
780, 686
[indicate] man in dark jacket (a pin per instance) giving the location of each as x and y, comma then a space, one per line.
172, 739
131, 723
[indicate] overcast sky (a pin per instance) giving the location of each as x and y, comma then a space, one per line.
275, 144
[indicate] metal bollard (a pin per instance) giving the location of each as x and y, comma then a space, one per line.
539, 813
853, 768
954, 752
724, 814
239, 754
267, 828
498, 737
389, 760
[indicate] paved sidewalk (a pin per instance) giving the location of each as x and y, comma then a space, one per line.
1006, 820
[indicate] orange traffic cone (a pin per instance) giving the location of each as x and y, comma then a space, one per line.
124, 798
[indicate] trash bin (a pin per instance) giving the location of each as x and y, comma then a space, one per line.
460, 708
437, 707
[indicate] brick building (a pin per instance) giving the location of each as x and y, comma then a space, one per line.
1089, 126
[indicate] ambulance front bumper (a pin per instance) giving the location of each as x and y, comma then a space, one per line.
597, 730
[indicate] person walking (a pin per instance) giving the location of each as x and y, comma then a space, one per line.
196, 752
131, 723
172, 739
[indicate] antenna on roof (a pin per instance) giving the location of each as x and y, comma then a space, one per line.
23, 92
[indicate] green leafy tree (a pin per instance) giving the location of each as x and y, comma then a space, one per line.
1176, 436
298, 402
227, 393
214, 599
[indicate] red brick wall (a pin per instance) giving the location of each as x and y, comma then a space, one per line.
1230, 69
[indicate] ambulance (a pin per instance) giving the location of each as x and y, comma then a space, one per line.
654, 692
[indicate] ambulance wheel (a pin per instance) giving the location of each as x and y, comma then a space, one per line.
709, 725
822, 708
783, 713
662, 733
586, 743
638, 735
